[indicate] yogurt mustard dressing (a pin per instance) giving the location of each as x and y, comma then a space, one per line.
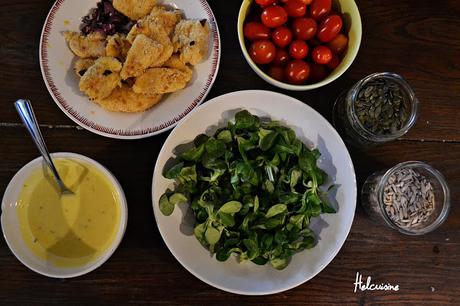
70, 230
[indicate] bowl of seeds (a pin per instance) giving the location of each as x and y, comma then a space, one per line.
379, 108
412, 197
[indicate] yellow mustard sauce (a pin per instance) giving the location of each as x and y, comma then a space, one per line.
70, 230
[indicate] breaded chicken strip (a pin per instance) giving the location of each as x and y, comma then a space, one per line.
134, 9
191, 40
161, 80
124, 99
143, 54
101, 78
153, 29
117, 46
92, 45
176, 63
167, 18
82, 65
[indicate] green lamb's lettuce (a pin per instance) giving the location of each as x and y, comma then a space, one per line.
253, 187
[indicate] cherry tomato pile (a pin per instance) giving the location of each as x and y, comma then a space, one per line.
295, 41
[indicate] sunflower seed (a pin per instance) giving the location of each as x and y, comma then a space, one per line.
408, 198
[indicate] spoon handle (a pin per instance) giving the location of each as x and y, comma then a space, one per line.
27, 115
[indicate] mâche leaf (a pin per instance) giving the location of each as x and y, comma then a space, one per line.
174, 171
231, 207
166, 207
212, 235
215, 148
225, 136
275, 210
193, 154
177, 198
245, 120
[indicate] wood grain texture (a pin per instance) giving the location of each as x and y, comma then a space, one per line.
415, 39
418, 39
143, 270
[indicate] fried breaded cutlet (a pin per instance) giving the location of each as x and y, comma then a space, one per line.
134, 9
117, 46
101, 78
150, 27
92, 45
161, 80
153, 29
82, 64
124, 99
175, 62
143, 54
191, 40
167, 17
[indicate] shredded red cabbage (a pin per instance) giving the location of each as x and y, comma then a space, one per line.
105, 19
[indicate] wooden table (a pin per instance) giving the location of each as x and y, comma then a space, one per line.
417, 39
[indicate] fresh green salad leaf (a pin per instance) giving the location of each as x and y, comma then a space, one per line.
231, 207
166, 207
253, 187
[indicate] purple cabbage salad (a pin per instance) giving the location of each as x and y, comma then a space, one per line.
106, 19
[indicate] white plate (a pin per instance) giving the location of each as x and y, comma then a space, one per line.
56, 62
332, 229
12, 232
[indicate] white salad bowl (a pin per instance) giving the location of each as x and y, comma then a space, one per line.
331, 229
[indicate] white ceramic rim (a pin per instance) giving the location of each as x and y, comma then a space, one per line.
203, 279
123, 212
104, 131
272, 81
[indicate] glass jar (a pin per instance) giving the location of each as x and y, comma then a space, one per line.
372, 197
345, 117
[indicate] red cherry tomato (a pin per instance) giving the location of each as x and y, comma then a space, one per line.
333, 63
298, 49
295, 8
321, 55
281, 57
317, 73
306, 2
338, 44
255, 31
276, 72
297, 72
265, 2
320, 8
304, 28
329, 28
282, 36
274, 16
262, 51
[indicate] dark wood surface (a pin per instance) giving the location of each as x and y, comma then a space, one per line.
417, 39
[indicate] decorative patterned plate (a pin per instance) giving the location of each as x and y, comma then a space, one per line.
56, 62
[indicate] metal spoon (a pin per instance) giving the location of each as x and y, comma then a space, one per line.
27, 115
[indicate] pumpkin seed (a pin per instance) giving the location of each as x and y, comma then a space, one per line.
381, 107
